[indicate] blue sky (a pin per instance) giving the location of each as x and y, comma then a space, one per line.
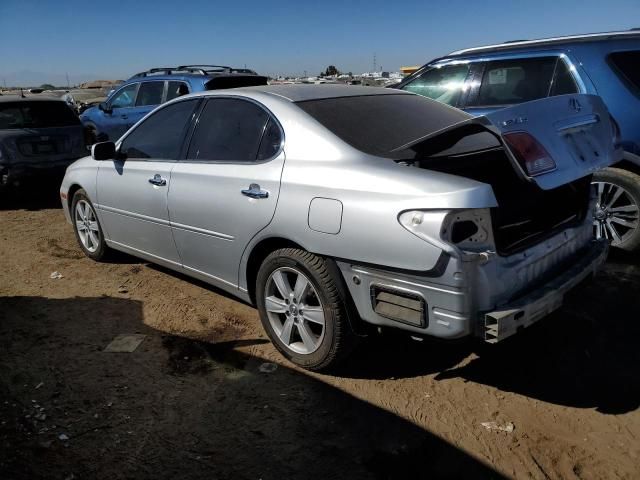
113, 39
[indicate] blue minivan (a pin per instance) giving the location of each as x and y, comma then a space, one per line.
483, 79
146, 90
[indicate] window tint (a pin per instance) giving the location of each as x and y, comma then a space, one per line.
271, 141
125, 97
228, 129
628, 65
36, 115
150, 93
506, 82
563, 82
379, 124
161, 135
176, 89
444, 84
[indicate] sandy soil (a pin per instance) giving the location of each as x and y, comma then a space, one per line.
191, 401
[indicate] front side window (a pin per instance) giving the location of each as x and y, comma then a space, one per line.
126, 97
444, 84
176, 89
150, 93
627, 65
228, 129
508, 82
161, 135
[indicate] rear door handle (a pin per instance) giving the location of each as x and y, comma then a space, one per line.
254, 191
157, 180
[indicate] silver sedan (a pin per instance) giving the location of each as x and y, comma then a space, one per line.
335, 209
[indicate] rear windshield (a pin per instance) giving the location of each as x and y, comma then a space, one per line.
378, 124
628, 65
36, 115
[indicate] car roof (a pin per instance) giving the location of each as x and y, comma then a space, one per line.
520, 44
17, 98
302, 92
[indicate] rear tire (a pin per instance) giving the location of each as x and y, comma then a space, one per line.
303, 310
87, 227
616, 216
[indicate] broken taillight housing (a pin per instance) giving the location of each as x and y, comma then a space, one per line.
532, 156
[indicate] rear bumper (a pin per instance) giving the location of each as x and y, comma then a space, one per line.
506, 321
14, 173
454, 301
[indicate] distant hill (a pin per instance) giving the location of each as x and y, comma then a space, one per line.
101, 84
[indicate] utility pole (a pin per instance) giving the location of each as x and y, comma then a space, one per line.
375, 62
68, 81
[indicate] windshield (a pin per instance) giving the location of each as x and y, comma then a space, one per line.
15, 115
378, 124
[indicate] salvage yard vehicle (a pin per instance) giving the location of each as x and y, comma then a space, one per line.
483, 79
333, 208
146, 90
38, 136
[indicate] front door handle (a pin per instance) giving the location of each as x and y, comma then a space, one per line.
157, 180
254, 191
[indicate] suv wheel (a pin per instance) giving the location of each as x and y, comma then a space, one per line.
616, 216
303, 310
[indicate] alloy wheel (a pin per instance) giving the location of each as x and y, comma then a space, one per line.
295, 310
616, 214
87, 226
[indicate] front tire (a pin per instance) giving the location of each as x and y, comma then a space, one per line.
616, 216
87, 227
303, 310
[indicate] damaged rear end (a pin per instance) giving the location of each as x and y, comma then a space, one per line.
520, 257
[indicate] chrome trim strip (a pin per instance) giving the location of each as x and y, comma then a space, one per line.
126, 213
202, 231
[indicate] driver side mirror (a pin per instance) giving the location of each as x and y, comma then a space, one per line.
104, 106
103, 151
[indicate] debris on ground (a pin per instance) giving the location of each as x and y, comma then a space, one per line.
507, 427
55, 275
64, 437
39, 385
126, 343
268, 367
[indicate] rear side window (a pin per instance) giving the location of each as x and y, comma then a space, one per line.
228, 129
150, 93
508, 82
444, 84
161, 135
176, 89
379, 124
15, 115
627, 65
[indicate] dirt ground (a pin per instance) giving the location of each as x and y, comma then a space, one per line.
192, 401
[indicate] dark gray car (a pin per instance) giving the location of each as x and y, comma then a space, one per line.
38, 136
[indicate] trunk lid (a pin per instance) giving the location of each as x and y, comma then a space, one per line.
575, 130
44, 144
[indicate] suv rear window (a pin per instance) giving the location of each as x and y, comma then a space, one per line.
378, 124
15, 115
628, 66
507, 82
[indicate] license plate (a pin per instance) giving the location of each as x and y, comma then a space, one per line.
44, 147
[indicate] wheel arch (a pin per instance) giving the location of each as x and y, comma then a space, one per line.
258, 253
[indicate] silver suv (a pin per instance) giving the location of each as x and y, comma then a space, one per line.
332, 208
